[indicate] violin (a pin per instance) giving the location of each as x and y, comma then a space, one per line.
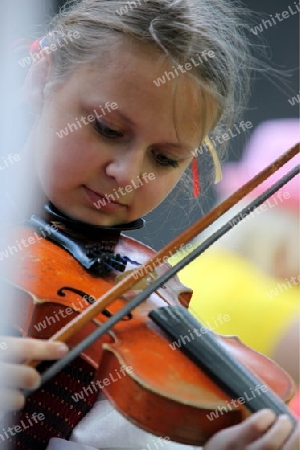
164, 390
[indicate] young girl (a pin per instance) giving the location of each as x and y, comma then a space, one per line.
123, 94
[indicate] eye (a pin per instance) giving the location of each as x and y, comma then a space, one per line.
106, 132
163, 160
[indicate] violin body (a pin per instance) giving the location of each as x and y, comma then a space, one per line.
161, 390
51, 287
158, 399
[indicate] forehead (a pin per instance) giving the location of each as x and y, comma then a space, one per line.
147, 86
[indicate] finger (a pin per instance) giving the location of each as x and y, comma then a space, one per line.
18, 376
240, 436
33, 349
293, 443
276, 436
11, 400
255, 427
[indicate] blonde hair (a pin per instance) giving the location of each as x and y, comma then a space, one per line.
179, 29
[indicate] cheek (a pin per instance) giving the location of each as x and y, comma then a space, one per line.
64, 146
70, 154
59, 167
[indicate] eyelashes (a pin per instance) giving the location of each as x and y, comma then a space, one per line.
106, 132
111, 134
163, 160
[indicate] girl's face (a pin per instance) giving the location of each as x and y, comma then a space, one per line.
126, 154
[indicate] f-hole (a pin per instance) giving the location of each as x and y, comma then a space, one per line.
89, 298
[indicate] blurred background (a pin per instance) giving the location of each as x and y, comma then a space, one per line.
269, 100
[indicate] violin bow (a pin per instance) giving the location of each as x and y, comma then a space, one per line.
131, 279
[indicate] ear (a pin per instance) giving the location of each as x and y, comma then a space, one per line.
35, 83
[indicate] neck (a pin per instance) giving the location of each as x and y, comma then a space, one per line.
85, 229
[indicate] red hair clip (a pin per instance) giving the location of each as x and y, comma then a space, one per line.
35, 47
38, 45
196, 182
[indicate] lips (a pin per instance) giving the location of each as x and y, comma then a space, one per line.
103, 202
106, 197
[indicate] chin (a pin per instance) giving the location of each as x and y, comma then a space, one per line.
98, 218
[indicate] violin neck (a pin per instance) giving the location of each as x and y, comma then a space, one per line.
211, 356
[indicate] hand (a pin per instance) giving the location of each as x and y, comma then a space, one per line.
15, 375
261, 431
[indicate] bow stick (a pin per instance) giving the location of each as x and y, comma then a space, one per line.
126, 283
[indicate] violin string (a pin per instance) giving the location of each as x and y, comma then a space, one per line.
173, 271
180, 300
127, 309
235, 369
195, 313
165, 299
128, 281
222, 357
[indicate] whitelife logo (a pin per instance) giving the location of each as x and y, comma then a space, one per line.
85, 120
279, 17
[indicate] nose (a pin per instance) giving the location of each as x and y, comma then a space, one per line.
126, 166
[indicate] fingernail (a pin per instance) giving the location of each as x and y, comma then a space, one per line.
62, 349
34, 386
267, 417
286, 418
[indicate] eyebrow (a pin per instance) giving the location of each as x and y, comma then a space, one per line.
186, 147
125, 118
